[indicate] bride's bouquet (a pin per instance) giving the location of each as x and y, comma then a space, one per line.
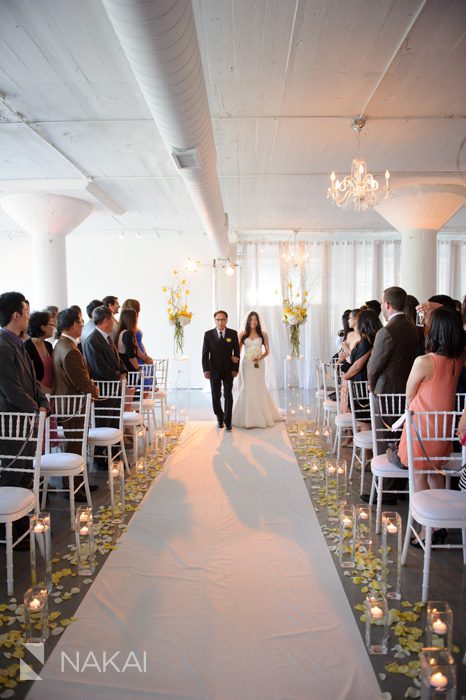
295, 307
179, 315
250, 353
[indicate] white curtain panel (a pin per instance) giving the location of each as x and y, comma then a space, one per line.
339, 275
451, 268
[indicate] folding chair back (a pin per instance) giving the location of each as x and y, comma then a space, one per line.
108, 408
385, 410
72, 414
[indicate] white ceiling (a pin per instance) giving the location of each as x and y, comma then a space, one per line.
284, 80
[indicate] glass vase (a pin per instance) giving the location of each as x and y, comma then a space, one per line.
391, 554
438, 674
36, 615
85, 547
377, 627
41, 551
347, 536
439, 624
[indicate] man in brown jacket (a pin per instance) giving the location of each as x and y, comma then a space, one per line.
70, 370
395, 349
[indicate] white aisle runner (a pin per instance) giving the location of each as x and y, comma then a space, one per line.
225, 581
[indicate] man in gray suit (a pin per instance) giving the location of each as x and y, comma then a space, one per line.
395, 349
19, 390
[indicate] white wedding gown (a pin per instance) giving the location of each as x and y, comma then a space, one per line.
254, 406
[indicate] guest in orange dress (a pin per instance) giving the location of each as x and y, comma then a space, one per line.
431, 386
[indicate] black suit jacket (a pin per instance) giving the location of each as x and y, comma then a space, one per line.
103, 360
19, 388
36, 358
216, 355
395, 349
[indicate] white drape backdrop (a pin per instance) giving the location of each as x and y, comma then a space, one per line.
339, 275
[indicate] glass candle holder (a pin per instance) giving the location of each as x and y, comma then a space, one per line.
141, 470
36, 615
377, 624
326, 439
315, 472
117, 491
41, 551
391, 554
341, 480
438, 674
364, 535
439, 626
347, 536
85, 546
160, 443
330, 470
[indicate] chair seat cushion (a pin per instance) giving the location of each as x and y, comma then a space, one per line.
344, 419
132, 417
363, 439
61, 462
105, 436
148, 403
443, 506
160, 395
14, 499
330, 405
380, 466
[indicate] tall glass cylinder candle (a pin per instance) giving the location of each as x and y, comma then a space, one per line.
438, 674
41, 550
85, 546
160, 443
141, 470
117, 491
364, 534
347, 536
36, 615
439, 625
331, 489
377, 624
341, 480
315, 472
391, 554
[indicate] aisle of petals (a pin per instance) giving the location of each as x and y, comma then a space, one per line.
306, 441
66, 582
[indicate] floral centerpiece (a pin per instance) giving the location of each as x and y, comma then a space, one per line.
179, 315
295, 307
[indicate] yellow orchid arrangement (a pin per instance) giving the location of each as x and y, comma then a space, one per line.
178, 312
295, 306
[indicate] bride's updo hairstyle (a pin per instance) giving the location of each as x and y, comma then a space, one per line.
247, 329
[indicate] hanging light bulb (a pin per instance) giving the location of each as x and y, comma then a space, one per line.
229, 269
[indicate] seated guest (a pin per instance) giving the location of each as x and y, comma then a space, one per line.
127, 344
431, 386
352, 339
113, 304
71, 375
99, 349
142, 357
410, 312
89, 326
40, 327
368, 325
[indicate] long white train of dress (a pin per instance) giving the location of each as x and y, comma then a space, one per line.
254, 406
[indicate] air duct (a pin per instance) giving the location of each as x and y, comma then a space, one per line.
160, 42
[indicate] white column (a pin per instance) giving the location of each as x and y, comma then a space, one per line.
419, 263
418, 212
48, 218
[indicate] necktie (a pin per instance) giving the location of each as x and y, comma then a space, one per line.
221, 336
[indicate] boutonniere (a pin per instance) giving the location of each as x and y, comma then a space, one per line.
228, 340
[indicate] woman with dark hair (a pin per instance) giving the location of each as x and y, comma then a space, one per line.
40, 327
142, 356
126, 344
368, 325
254, 407
431, 386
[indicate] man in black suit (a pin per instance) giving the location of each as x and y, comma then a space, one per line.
220, 363
99, 349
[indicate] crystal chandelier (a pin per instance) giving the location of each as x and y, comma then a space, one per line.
360, 189
293, 256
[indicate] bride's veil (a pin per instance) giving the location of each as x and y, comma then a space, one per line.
269, 366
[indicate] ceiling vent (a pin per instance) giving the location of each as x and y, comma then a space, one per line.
188, 158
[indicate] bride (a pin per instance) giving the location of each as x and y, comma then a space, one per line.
254, 407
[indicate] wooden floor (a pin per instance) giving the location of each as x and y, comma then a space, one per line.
448, 575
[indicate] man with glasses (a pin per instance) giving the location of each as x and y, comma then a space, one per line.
19, 390
220, 364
